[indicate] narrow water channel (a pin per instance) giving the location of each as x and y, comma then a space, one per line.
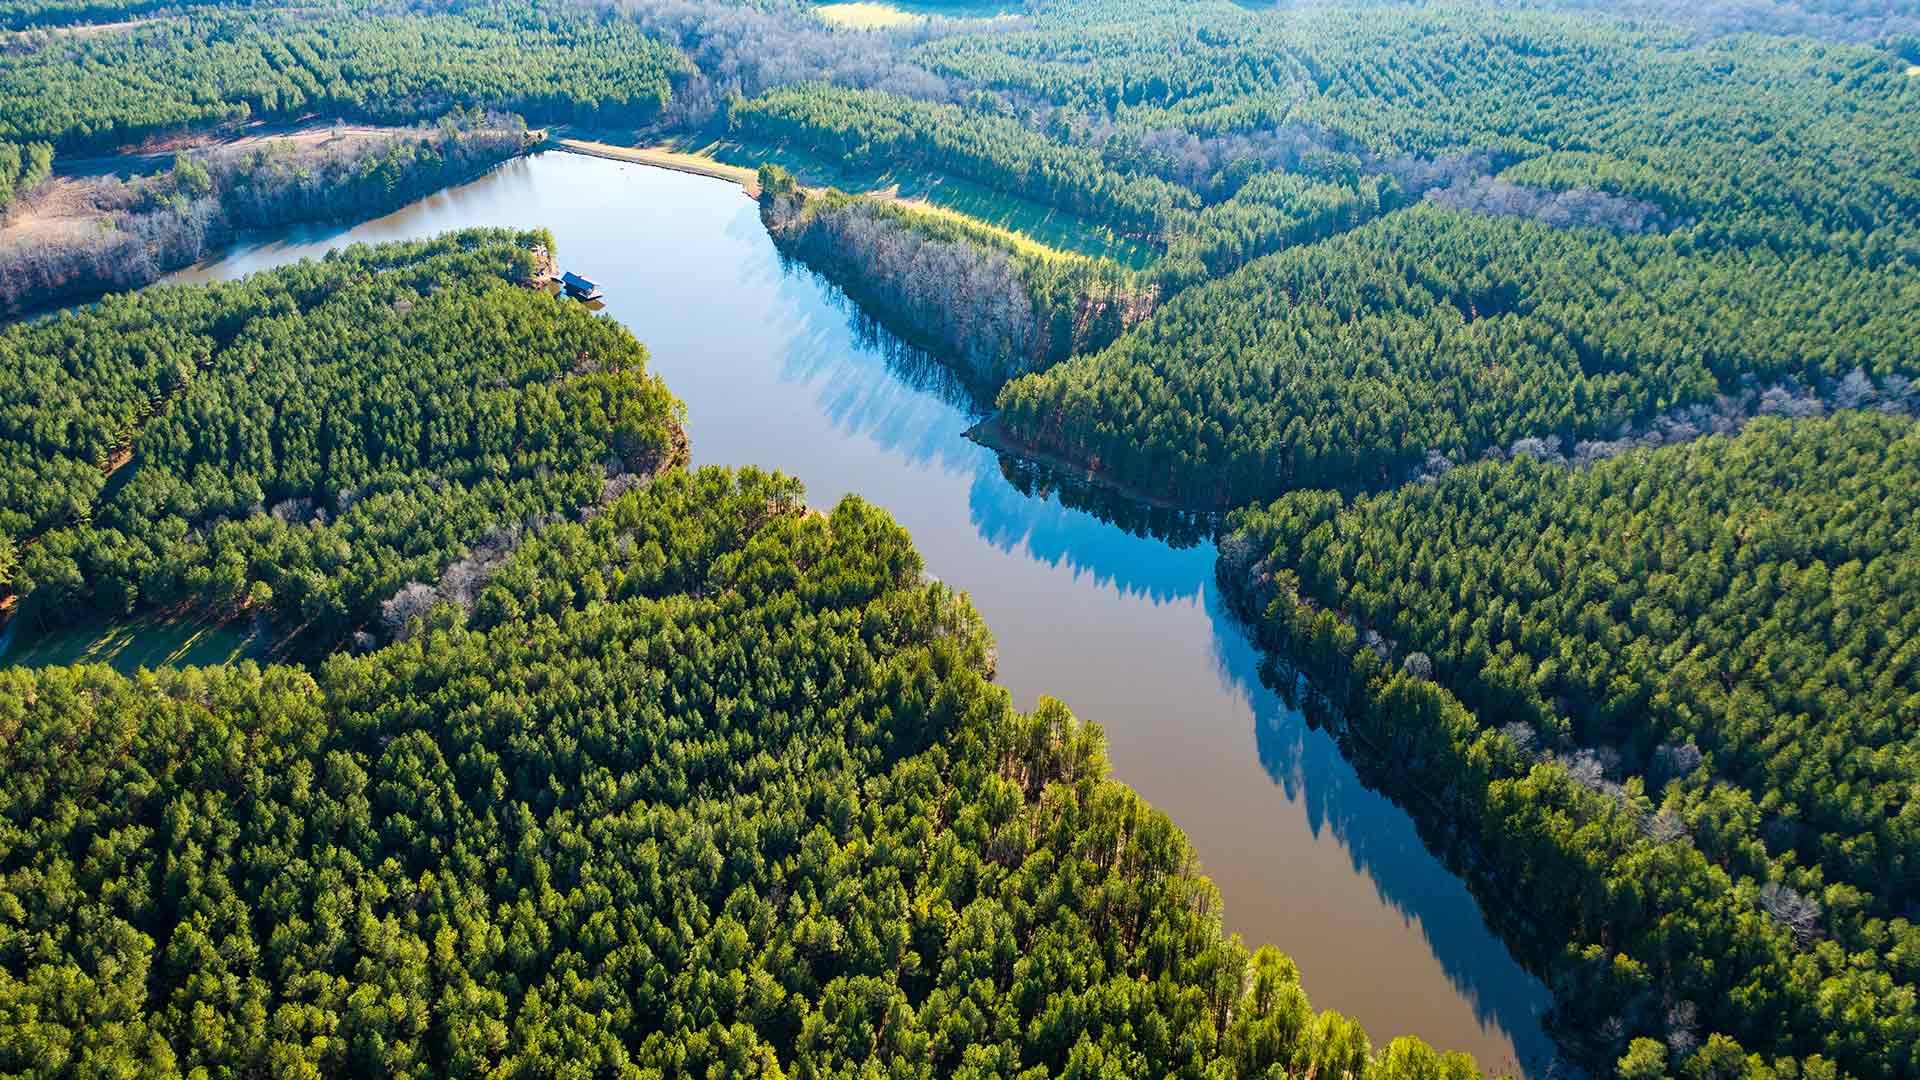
1131, 632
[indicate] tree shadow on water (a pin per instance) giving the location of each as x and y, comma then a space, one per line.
870, 382
1058, 534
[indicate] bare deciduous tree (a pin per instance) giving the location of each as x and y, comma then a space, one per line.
1798, 913
1575, 208
398, 612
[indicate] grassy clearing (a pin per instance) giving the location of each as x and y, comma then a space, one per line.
865, 16
873, 15
149, 642
1040, 226
1020, 241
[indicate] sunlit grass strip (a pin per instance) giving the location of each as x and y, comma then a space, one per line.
863, 15
1018, 241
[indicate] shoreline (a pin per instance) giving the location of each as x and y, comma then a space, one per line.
223, 237
993, 434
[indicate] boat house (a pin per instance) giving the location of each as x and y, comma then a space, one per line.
580, 288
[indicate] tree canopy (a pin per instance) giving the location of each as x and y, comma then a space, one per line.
707, 785
304, 441
1669, 701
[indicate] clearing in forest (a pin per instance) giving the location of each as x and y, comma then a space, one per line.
150, 641
863, 15
872, 15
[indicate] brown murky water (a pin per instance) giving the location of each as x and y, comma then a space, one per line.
1128, 630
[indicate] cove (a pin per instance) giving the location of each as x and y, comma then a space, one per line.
779, 370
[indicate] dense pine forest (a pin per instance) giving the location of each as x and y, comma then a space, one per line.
1669, 697
302, 444
98, 92
1553, 364
1434, 333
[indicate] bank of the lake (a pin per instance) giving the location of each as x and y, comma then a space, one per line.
777, 370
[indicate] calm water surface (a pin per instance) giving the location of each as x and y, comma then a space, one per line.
1129, 631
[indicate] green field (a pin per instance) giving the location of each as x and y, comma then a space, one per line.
869, 15
1042, 224
149, 642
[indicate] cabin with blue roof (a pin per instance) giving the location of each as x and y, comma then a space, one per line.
580, 288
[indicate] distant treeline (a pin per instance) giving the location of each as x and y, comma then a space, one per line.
978, 300
1856, 21
142, 228
549, 63
744, 50
27, 14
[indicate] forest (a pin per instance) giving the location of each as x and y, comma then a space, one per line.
547, 63
22, 168
700, 782
1668, 699
301, 444
1555, 361
1432, 331
1764, 136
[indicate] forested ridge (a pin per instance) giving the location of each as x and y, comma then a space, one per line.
1666, 704
1763, 135
1434, 331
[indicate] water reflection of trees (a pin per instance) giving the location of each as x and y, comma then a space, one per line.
912, 365
1059, 535
876, 385
917, 369
1383, 842
1173, 526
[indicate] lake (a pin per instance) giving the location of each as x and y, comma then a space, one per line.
778, 370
